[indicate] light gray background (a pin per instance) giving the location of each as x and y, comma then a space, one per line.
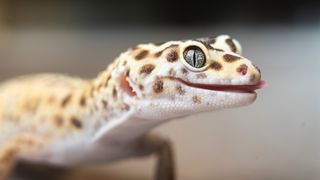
277, 137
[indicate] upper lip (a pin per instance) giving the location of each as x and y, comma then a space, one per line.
250, 88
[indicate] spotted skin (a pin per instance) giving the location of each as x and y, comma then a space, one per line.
70, 121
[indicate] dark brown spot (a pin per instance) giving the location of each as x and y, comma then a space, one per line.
231, 58
66, 100
158, 86
180, 90
253, 78
107, 81
242, 69
147, 69
215, 65
208, 46
83, 101
172, 47
114, 92
104, 104
184, 71
124, 63
141, 55
172, 72
218, 49
125, 107
158, 54
201, 75
58, 120
231, 44
172, 56
211, 40
99, 86
196, 99
141, 87
9, 156
76, 123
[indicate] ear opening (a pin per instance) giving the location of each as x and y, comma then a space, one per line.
124, 84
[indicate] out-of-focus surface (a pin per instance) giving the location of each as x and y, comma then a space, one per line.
277, 137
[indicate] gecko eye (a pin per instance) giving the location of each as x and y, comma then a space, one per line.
194, 56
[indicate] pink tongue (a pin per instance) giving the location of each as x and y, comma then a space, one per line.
260, 85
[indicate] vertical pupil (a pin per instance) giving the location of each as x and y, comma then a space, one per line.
194, 58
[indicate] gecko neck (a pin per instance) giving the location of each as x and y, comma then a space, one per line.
106, 94
114, 105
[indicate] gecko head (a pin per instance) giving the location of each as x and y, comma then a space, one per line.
179, 78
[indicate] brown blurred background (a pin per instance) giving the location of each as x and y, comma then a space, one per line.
275, 138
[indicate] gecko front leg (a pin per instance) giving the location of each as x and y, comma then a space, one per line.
155, 144
23, 144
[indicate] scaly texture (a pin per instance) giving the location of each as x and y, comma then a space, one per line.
67, 121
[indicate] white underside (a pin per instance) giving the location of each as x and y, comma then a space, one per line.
116, 140
113, 142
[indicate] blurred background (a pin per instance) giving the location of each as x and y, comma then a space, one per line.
278, 137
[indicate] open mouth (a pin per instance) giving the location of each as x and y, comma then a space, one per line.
228, 88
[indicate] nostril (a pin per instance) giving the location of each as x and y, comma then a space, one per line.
242, 69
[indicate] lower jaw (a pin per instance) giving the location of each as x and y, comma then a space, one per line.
244, 97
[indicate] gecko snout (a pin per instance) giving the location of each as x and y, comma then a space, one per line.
255, 75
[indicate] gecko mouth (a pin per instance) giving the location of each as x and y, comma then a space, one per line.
124, 84
228, 88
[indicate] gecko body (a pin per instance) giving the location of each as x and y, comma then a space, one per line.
67, 121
